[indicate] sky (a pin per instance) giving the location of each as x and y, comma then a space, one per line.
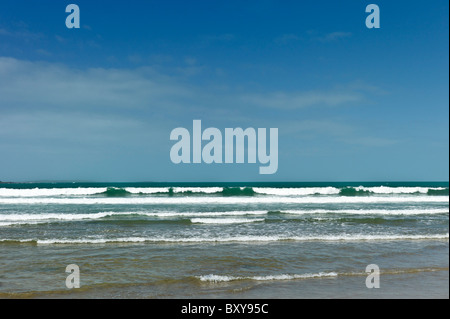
98, 103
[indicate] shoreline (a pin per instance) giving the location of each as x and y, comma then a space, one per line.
422, 285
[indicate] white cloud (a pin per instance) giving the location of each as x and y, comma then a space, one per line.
23, 34
47, 100
4, 32
38, 126
297, 100
336, 131
25, 84
43, 52
135, 58
334, 36
286, 38
370, 141
50, 106
190, 61
219, 37
329, 127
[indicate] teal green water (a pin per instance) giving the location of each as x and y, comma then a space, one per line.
233, 240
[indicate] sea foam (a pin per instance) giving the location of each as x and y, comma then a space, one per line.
224, 200
243, 239
226, 278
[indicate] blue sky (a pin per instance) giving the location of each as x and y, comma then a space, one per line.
98, 103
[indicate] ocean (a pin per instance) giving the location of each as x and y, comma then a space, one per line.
224, 240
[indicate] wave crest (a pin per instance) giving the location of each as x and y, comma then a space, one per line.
115, 192
243, 239
226, 278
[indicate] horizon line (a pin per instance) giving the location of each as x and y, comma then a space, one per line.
212, 182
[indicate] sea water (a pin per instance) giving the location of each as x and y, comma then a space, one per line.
200, 240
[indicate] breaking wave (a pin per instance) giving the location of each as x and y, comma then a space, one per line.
220, 191
226, 278
115, 192
238, 239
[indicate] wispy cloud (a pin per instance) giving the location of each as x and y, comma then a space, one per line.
4, 32
50, 85
22, 34
80, 111
135, 58
334, 36
67, 127
298, 100
329, 127
370, 141
226, 37
286, 38
190, 61
60, 39
43, 52
336, 131
169, 89
89, 116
